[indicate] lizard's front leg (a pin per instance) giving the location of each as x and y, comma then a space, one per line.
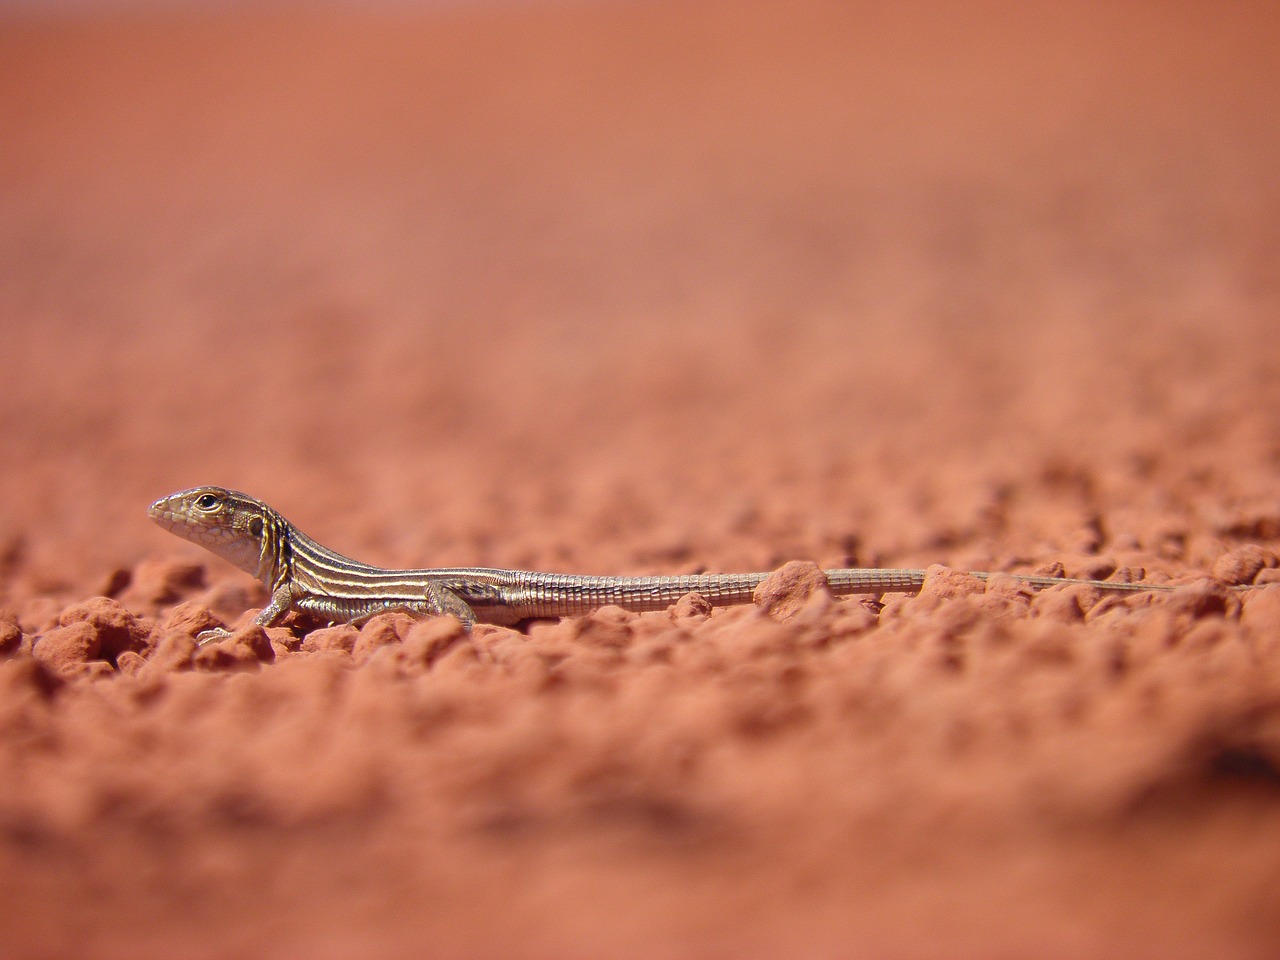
280, 603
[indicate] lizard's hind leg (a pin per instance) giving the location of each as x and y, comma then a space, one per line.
443, 600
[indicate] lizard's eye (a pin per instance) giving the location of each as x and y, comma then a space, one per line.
207, 502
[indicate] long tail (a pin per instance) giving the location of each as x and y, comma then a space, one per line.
529, 594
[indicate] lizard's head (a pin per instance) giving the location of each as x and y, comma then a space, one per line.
233, 525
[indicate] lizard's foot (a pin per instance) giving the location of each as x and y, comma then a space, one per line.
212, 635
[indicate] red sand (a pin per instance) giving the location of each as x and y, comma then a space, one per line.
629, 289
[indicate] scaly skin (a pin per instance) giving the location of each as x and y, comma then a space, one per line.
303, 575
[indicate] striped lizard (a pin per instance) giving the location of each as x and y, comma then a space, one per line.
303, 575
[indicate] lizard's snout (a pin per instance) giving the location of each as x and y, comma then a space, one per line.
163, 513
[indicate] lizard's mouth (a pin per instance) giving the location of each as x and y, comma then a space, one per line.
173, 513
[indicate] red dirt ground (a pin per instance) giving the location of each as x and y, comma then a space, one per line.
632, 288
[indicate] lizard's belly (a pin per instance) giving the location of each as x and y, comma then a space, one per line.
348, 609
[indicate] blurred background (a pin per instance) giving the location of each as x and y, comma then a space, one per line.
515, 283
638, 287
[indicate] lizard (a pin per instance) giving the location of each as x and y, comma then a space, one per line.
303, 575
